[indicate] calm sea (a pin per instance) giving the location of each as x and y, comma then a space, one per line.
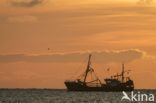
62, 96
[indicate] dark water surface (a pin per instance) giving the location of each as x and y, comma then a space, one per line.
63, 96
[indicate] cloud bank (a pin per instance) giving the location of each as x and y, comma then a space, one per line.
100, 57
26, 3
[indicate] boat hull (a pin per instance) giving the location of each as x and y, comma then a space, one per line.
74, 86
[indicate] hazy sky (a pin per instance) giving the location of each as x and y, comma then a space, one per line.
114, 31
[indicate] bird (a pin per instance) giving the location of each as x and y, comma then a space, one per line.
108, 69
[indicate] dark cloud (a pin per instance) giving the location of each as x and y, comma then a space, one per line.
25, 3
100, 57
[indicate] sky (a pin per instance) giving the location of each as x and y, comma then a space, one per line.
45, 42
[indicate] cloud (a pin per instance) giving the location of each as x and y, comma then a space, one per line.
26, 3
145, 1
22, 19
100, 57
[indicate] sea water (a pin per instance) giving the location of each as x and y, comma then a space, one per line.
62, 96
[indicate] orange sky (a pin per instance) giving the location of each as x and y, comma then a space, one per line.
114, 31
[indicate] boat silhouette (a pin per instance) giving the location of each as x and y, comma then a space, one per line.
115, 83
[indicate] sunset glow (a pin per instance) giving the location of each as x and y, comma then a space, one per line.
44, 42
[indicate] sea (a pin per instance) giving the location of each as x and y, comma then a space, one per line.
64, 96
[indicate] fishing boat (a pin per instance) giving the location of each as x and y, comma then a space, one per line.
114, 83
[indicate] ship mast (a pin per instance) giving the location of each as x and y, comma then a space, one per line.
88, 67
122, 74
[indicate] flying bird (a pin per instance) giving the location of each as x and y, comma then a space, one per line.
108, 69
